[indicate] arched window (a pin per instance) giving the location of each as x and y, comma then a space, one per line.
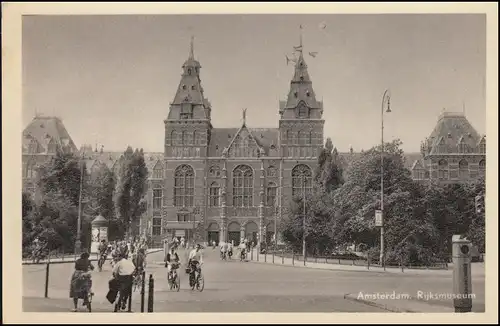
271, 194
184, 186
482, 167
157, 197
443, 170
303, 111
158, 171
463, 169
214, 194
301, 178
242, 186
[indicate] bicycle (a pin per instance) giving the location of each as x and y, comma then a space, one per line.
100, 263
87, 301
138, 280
242, 255
199, 281
174, 281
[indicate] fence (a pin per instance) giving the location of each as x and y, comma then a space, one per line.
65, 259
291, 258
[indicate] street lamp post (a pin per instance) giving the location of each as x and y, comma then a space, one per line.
78, 243
275, 222
385, 99
304, 219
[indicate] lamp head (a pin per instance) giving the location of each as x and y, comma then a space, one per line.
388, 105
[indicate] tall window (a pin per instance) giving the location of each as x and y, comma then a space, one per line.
303, 111
482, 146
156, 229
271, 194
186, 111
51, 146
302, 137
33, 146
482, 167
293, 138
187, 137
462, 147
184, 217
157, 197
301, 178
463, 169
443, 170
184, 186
242, 186
214, 194
158, 171
31, 171
310, 138
176, 138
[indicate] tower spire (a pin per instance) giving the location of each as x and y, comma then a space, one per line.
300, 45
191, 48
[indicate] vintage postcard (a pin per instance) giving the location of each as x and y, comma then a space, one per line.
294, 162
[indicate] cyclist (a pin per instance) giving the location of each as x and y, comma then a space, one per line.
172, 262
123, 271
81, 282
195, 261
230, 249
103, 252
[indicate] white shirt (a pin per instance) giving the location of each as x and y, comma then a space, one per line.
124, 267
196, 256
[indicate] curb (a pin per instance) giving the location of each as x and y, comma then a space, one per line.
318, 268
348, 296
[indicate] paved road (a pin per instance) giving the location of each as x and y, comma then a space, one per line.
231, 286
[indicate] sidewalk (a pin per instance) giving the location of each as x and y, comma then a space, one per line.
478, 269
72, 258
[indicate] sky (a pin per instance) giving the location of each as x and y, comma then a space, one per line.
111, 78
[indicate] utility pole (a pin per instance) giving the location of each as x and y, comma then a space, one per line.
78, 243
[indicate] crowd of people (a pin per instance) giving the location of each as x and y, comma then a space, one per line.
128, 260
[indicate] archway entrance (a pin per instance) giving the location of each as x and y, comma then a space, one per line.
251, 231
213, 233
233, 233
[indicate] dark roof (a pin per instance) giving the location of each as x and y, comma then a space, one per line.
44, 129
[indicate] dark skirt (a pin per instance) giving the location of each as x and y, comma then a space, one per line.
80, 284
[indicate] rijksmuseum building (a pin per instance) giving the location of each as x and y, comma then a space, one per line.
230, 182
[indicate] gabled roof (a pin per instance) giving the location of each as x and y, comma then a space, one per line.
266, 138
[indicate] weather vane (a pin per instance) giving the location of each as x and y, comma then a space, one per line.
298, 49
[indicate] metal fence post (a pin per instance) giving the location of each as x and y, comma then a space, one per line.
130, 299
47, 280
143, 290
151, 288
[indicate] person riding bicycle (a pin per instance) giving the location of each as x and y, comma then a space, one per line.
195, 261
123, 271
223, 249
103, 251
230, 249
81, 281
172, 262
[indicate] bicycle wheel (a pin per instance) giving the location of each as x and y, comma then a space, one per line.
89, 302
200, 282
177, 281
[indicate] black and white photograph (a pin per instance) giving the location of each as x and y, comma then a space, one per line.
254, 163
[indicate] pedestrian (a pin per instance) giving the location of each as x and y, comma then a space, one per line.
123, 271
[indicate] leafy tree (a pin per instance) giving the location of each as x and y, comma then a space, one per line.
130, 203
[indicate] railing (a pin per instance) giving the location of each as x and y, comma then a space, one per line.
291, 258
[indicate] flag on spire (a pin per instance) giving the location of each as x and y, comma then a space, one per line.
313, 54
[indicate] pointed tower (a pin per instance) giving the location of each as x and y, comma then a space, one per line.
187, 135
188, 125
301, 123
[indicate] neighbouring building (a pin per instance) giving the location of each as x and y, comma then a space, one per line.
454, 152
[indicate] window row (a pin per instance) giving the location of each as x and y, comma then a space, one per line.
243, 187
185, 137
463, 169
298, 138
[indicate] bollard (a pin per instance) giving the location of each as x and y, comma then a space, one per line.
273, 256
462, 285
265, 256
251, 254
143, 290
282, 257
368, 261
151, 289
293, 258
316, 259
402, 265
130, 299
47, 281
